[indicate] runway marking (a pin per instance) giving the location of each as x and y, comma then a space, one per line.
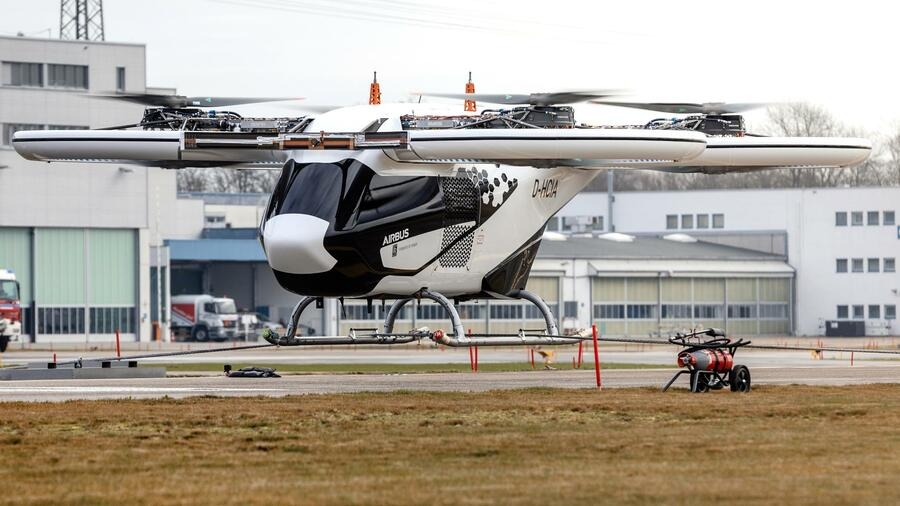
137, 390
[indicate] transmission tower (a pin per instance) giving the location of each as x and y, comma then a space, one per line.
81, 20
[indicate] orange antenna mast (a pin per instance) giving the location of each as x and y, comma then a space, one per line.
374, 90
469, 105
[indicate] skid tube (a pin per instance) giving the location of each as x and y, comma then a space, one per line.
458, 338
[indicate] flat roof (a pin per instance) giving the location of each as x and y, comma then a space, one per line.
647, 248
75, 41
219, 249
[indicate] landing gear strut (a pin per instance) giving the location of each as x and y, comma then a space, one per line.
458, 338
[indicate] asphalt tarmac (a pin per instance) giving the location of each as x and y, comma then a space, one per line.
219, 385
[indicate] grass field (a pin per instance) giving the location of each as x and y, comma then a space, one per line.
405, 368
775, 445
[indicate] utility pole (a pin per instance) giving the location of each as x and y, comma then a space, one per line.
81, 20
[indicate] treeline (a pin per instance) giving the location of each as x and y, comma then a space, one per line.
793, 120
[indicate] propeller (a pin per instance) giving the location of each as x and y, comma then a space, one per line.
554, 98
180, 101
687, 107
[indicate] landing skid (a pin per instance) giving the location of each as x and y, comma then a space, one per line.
459, 338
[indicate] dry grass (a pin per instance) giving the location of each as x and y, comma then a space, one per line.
776, 445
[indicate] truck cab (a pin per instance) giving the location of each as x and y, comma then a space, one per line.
203, 317
10, 310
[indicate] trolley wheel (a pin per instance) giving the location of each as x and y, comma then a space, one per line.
699, 382
739, 378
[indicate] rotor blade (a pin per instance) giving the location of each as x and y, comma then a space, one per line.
687, 107
179, 101
554, 98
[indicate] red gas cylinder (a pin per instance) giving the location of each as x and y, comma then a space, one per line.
707, 360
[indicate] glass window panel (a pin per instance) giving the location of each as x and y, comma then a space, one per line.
858, 312
857, 265
841, 265
872, 218
874, 265
718, 221
671, 221
840, 219
888, 218
890, 312
843, 312
856, 218
687, 221
874, 311
641, 311
702, 221
890, 265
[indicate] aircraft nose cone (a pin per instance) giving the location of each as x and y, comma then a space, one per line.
295, 244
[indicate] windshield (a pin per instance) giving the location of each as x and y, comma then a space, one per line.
9, 290
225, 307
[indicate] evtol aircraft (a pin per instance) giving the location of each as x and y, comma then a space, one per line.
379, 202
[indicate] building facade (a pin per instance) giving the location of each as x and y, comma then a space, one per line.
77, 235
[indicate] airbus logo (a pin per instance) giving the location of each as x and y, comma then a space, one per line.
396, 236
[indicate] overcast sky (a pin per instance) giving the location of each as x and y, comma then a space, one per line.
842, 55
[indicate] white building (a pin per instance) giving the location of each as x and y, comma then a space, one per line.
843, 243
78, 236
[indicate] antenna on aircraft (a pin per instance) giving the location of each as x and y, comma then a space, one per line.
374, 90
469, 105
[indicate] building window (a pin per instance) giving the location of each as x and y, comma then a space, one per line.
108, 320
609, 311
888, 218
842, 265
718, 221
874, 265
708, 311
671, 221
570, 223
61, 320
843, 312
774, 311
890, 265
120, 78
676, 311
741, 311
874, 311
702, 221
597, 223
553, 224
857, 265
67, 76
687, 221
10, 128
570, 309
890, 312
858, 312
502, 311
840, 219
872, 218
856, 218
23, 74
641, 311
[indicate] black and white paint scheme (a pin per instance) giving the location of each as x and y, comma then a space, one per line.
376, 202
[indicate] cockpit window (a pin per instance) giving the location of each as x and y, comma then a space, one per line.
348, 194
